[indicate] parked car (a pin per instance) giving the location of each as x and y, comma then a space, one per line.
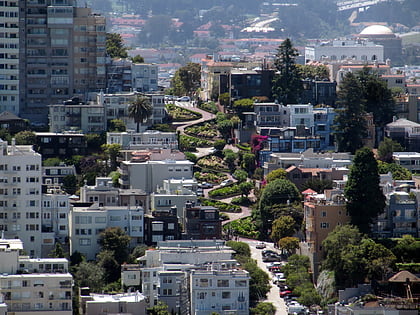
271, 257
200, 192
205, 185
267, 252
260, 245
184, 99
169, 98
285, 293
212, 150
226, 182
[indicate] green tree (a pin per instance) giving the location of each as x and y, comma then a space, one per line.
115, 46
89, 274
312, 72
377, 97
243, 105
249, 162
219, 144
287, 83
116, 125
263, 308
229, 158
365, 199
140, 109
289, 244
350, 120
115, 240
407, 249
187, 79
259, 284
240, 175
245, 188
112, 269
225, 128
112, 151
319, 185
386, 148
58, 251
282, 227
242, 250
398, 172
160, 309
94, 142
70, 184
51, 162
224, 99
25, 138
137, 59
276, 174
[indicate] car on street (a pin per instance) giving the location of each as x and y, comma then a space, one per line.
267, 252
226, 182
184, 99
260, 245
285, 293
205, 185
212, 150
271, 257
200, 192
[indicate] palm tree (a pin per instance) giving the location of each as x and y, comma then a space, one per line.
140, 109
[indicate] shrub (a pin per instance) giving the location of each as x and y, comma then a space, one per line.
209, 107
244, 227
225, 192
210, 177
222, 206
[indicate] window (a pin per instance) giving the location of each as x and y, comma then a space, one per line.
171, 226
325, 225
324, 213
226, 295
201, 295
221, 283
240, 283
84, 242
203, 283
167, 291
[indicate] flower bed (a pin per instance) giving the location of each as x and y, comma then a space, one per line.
208, 130
212, 162
222, 206
244, 227
210, 177
181, 114
209, 107
188, 143
224, 192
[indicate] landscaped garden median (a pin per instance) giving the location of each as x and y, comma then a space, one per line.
222, 206
225, 192
181, 114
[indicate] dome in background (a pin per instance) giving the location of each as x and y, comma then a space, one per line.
377, 30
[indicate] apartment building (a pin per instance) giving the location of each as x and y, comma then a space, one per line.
124, 304
149, 139
41, 286
322, 214
144, 77
9, 56
87, 223
20, 195
51, 72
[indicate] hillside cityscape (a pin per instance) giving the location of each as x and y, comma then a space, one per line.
210, 157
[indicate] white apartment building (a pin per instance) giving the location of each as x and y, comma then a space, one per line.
41, 286
144, 77
174, 193
149, 175
360, 50
409, 160
87, 223
149, 139
20, 195
9, 56
122, 304
219, 291
302, 114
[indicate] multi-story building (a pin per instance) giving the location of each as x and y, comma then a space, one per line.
319, 92
405, 132
148, 175
144, 77
104, 194
300, 175
53, 176
408, 160
322, 213
174, 193
63, 145
87, 223
221, 291
123, 303
9, 56
41, 286
149, 139
307, 159
49, 70
118, 73
96, 115
202, 222
20, 195
161, 225
324, 123
301, 114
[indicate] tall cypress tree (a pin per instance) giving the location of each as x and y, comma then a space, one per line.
350, 120
287, 83
365, 199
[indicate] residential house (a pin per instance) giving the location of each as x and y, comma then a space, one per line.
408, 160
318, 92
149, 139
405, 132
202, 222
12, 123
300, 175
133, 303
161, 225
42, 286
62, 145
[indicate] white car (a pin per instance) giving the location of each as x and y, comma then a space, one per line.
226, 182
212, 150
184, 99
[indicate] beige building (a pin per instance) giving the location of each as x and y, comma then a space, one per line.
322, 214
121, 304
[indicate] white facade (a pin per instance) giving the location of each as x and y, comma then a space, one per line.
302, 114
150, 139
86, 225
144, 77
359, 50
41, 286
122, 304
220, 291
9, 52
20, 196
409, 160
150, 174
175, 192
